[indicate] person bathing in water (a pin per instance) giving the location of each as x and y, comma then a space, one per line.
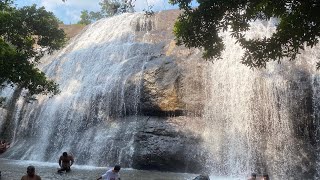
4, 146
31, 174
65, 162
112, 174
253, 176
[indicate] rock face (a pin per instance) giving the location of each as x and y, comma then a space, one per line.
172, 97
161, 88
168, 144
173, 76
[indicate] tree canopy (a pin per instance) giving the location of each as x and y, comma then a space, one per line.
107, 8
112, 7
85, 17
298, 25
26, 34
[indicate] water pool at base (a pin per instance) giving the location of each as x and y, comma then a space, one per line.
15, 169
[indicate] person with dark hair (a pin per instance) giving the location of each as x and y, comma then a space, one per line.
3, 146
265, 177
65, 162
112, 174
202, 177
31, 174
253, 176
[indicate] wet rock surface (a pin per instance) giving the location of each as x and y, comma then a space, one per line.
168, 145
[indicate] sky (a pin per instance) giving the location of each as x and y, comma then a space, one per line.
69, 11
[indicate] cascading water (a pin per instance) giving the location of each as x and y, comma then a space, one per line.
262, 121
99, 74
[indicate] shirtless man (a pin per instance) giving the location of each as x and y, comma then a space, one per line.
31, 175
65, 162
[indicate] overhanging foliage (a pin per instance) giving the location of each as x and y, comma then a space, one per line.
299, 25
26, 34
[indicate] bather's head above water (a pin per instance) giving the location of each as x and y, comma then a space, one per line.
65, 154
31, 171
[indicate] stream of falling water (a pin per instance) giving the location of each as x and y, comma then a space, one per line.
252, 115
99, 73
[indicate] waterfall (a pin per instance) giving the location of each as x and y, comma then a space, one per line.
99, 73
256, 119
130, 96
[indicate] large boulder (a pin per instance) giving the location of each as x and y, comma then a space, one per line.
173, 75
167, 144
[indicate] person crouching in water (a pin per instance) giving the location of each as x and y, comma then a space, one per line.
65, 162
112, 174
31, 174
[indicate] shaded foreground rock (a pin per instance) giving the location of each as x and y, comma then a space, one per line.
169, 145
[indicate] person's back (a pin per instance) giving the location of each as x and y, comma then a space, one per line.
35, 177
31, 174
112, 174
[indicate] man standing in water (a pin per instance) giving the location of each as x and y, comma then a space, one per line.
31, 175
65, 162
112, 174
